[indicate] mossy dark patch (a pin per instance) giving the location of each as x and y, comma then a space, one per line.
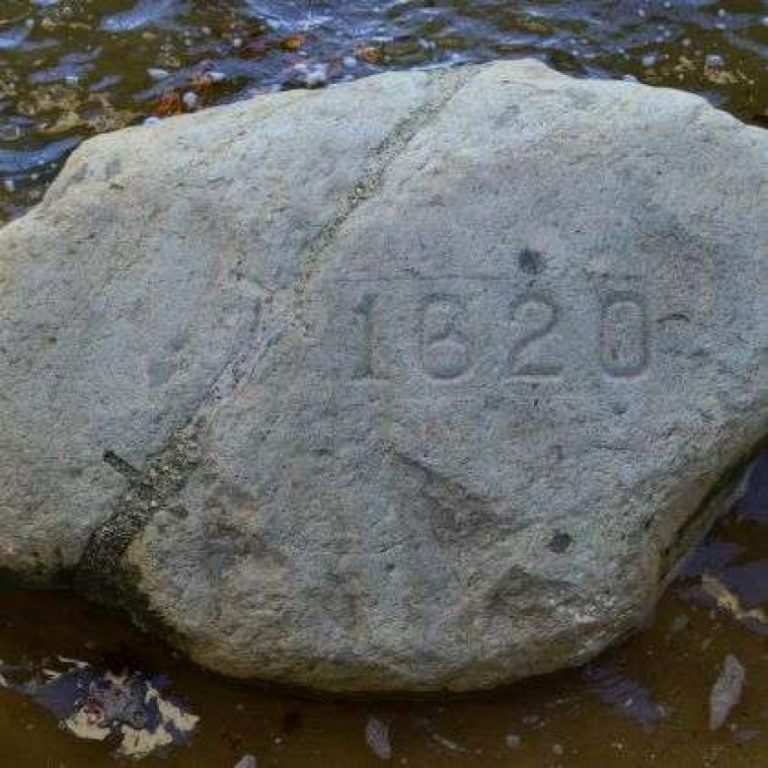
560, 542
101, 574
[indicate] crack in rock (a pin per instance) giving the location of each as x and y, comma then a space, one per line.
448, 83
100, 573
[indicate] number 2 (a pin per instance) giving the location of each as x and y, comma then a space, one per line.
541, 316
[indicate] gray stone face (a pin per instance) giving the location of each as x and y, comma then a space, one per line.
415, 383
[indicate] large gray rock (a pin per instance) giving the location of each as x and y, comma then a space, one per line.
419, 382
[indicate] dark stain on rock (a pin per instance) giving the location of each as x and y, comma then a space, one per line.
101, 573
560, 542
114, 167
455, 514
517, 591
531, 261
121, 465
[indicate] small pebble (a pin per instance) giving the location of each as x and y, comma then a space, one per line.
10, 132
649, 60
246, 761
447, 743
190, 100
512, 740
679, 624
745, 735
155, 73
377, 738
726, 692
311, 75
532, 721
714, 61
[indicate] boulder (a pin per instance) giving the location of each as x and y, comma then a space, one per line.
420, 382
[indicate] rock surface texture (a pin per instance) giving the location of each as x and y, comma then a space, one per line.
414, 383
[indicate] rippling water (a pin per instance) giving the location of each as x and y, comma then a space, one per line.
72, 68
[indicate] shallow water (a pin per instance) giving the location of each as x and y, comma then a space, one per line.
645, 703
72, 68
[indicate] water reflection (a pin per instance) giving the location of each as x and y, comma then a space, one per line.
72, 68
158, 13
729, 572
126, 710
613, 687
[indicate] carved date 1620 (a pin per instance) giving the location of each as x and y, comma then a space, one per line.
447, 335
